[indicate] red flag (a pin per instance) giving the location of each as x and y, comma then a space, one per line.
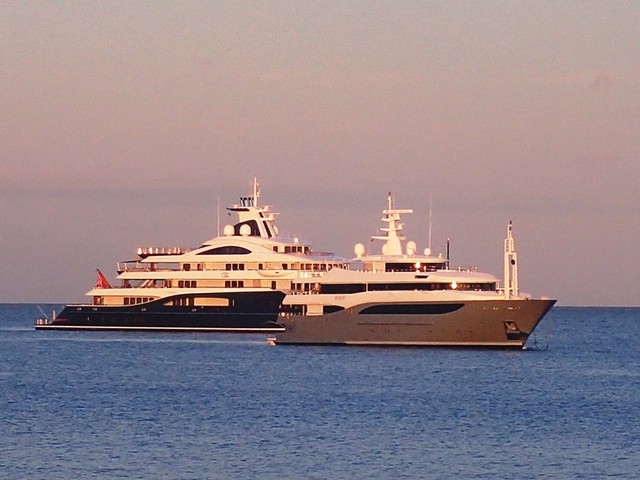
101, 281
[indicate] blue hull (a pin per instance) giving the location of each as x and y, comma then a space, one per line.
247, 312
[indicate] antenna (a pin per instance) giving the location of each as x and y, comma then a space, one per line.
218, 230
430, 216
448, 251
256, 191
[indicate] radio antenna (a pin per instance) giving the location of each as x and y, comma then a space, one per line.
430, 217
218, 231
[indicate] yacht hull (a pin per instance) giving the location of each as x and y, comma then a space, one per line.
247, 312
488, 323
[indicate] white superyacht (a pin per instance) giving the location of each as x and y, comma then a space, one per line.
400, 297
234, 282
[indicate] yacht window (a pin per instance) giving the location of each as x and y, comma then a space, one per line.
227, 250
400, 267
331, 309
479, 287
403, 286
411, 309
337, 288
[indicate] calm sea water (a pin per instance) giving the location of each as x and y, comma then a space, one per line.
196, 406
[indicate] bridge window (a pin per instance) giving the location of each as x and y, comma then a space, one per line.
227, 250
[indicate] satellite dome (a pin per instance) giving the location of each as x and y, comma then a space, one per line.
245, 230
228, 230
358, 250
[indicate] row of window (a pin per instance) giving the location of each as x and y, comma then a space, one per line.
189, 301
411, 309
301, 309
234, 266
339, 288
393, 309
305, 287
292, 249
412, 267
316, 267
136, 300
183, 302
226, 250
227, 284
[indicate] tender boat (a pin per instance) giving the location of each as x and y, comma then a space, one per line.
399, 297
234, 282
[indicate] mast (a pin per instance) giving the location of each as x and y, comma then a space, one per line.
510, 265
430, 217
392, 236
256, 191
259, 219
448, 251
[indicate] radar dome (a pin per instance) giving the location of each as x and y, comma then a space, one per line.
359, 250
228, 230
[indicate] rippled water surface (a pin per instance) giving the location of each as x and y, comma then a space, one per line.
192, 406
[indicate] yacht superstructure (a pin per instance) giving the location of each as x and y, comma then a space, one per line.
234, 282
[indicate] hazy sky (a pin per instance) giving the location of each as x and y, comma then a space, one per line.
123, 123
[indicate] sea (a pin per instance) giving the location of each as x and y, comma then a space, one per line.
111, 405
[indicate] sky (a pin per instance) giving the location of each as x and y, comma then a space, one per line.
127, 123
